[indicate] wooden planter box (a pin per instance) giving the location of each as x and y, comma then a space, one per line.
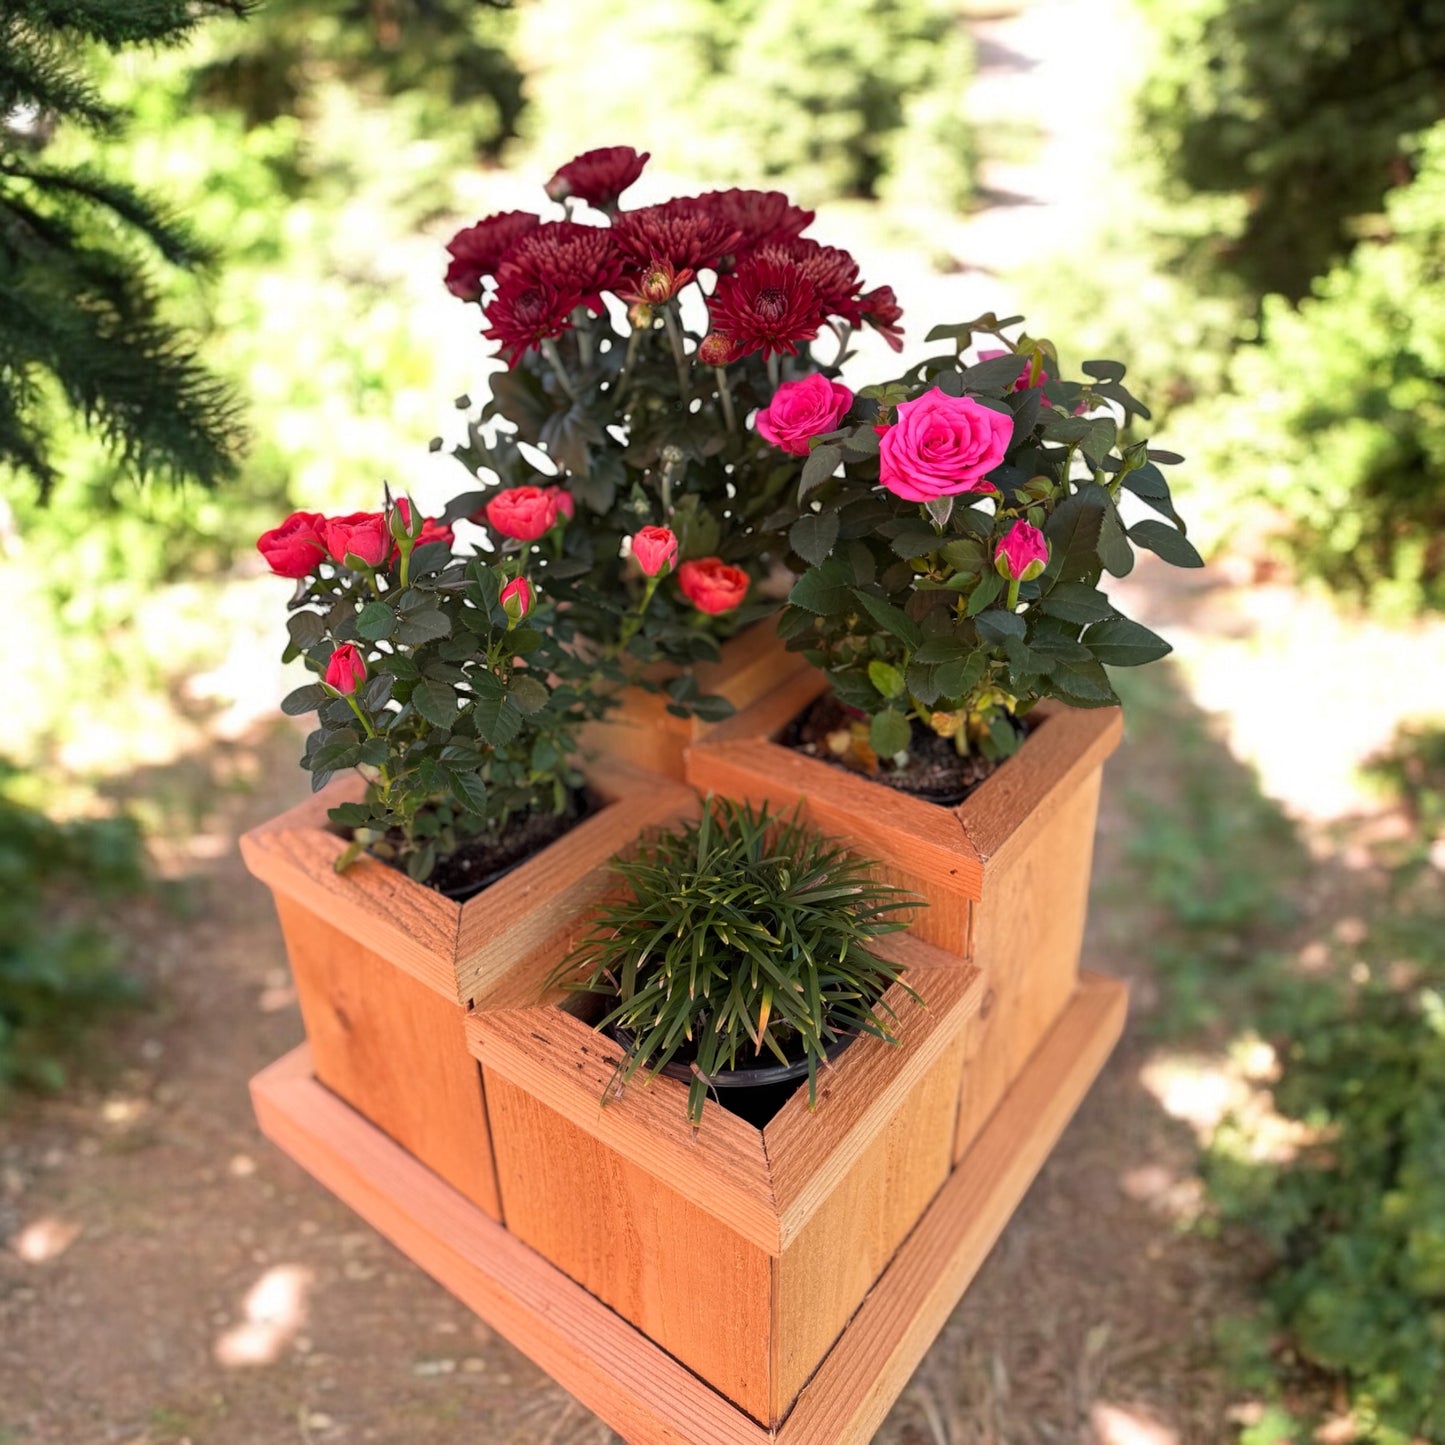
640, 731
387, 970
1006, 872
741, 1252
614, 1368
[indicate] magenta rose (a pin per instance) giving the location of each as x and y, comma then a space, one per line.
801, 410
1022, 553
942, 445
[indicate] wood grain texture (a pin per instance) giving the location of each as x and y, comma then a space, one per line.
511, 934
295, 856
688, 1281
1028, 932
612, 1368
394, 1049
569, 1067
642, 732
839, 1252
852, 1391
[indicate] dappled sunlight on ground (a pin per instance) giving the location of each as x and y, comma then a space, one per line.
275, 1310
1122, 1425
45, 1239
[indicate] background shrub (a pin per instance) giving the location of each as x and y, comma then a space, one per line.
855, 98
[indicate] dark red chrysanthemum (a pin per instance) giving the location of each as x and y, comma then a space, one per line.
598, 177
567, 257
766, 303
715, 349
525, 312
880, 309
833, 272
478, 250
759, 217
666, 245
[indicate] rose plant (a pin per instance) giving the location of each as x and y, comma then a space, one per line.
637, 343
951, 530
438, 676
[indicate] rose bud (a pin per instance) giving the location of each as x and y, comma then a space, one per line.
432, 529
516, 599
566, 502
1022, 553
711, 585
523, 513
655, 549
364, 535
801, 410
296, 547
347, 669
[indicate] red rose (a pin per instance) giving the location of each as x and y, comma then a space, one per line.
361, 534
524, 513
295, 547
516, 598
655, 549
942, 445
347, 669
801, 410
566, 503
711, 585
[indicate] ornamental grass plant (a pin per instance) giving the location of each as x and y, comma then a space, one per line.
739, 941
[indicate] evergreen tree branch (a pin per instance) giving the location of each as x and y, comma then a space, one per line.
36, 73
116, 23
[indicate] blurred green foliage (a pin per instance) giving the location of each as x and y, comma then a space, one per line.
1337, 1172
854, 98
59, 966
1300, 111
1335, 420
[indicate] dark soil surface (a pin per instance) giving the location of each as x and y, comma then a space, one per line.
463, 874
936, 770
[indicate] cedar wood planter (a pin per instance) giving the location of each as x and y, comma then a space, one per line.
1005, 872
641, 732
386, 969
742, 1252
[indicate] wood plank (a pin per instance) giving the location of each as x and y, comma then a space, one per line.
1008, 811
1028, 932
513, 933
827, 1268
849, 1396
688, 1280
907, 837
721, 1167
394, 1049
379, 907
811, 1153
613, 1369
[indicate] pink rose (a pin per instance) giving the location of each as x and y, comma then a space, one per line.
524, 513
359, 534
1022, 553
347, 669
566, 503
516, 598
942, 445
801, 410
296, 547
655, 549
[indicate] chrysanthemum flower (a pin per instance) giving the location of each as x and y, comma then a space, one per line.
759, 217
599, 176
476, 251
567, 257
666, 245
766, 303
526, 312
880, 309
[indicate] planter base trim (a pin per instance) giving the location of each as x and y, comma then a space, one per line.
615, 1370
